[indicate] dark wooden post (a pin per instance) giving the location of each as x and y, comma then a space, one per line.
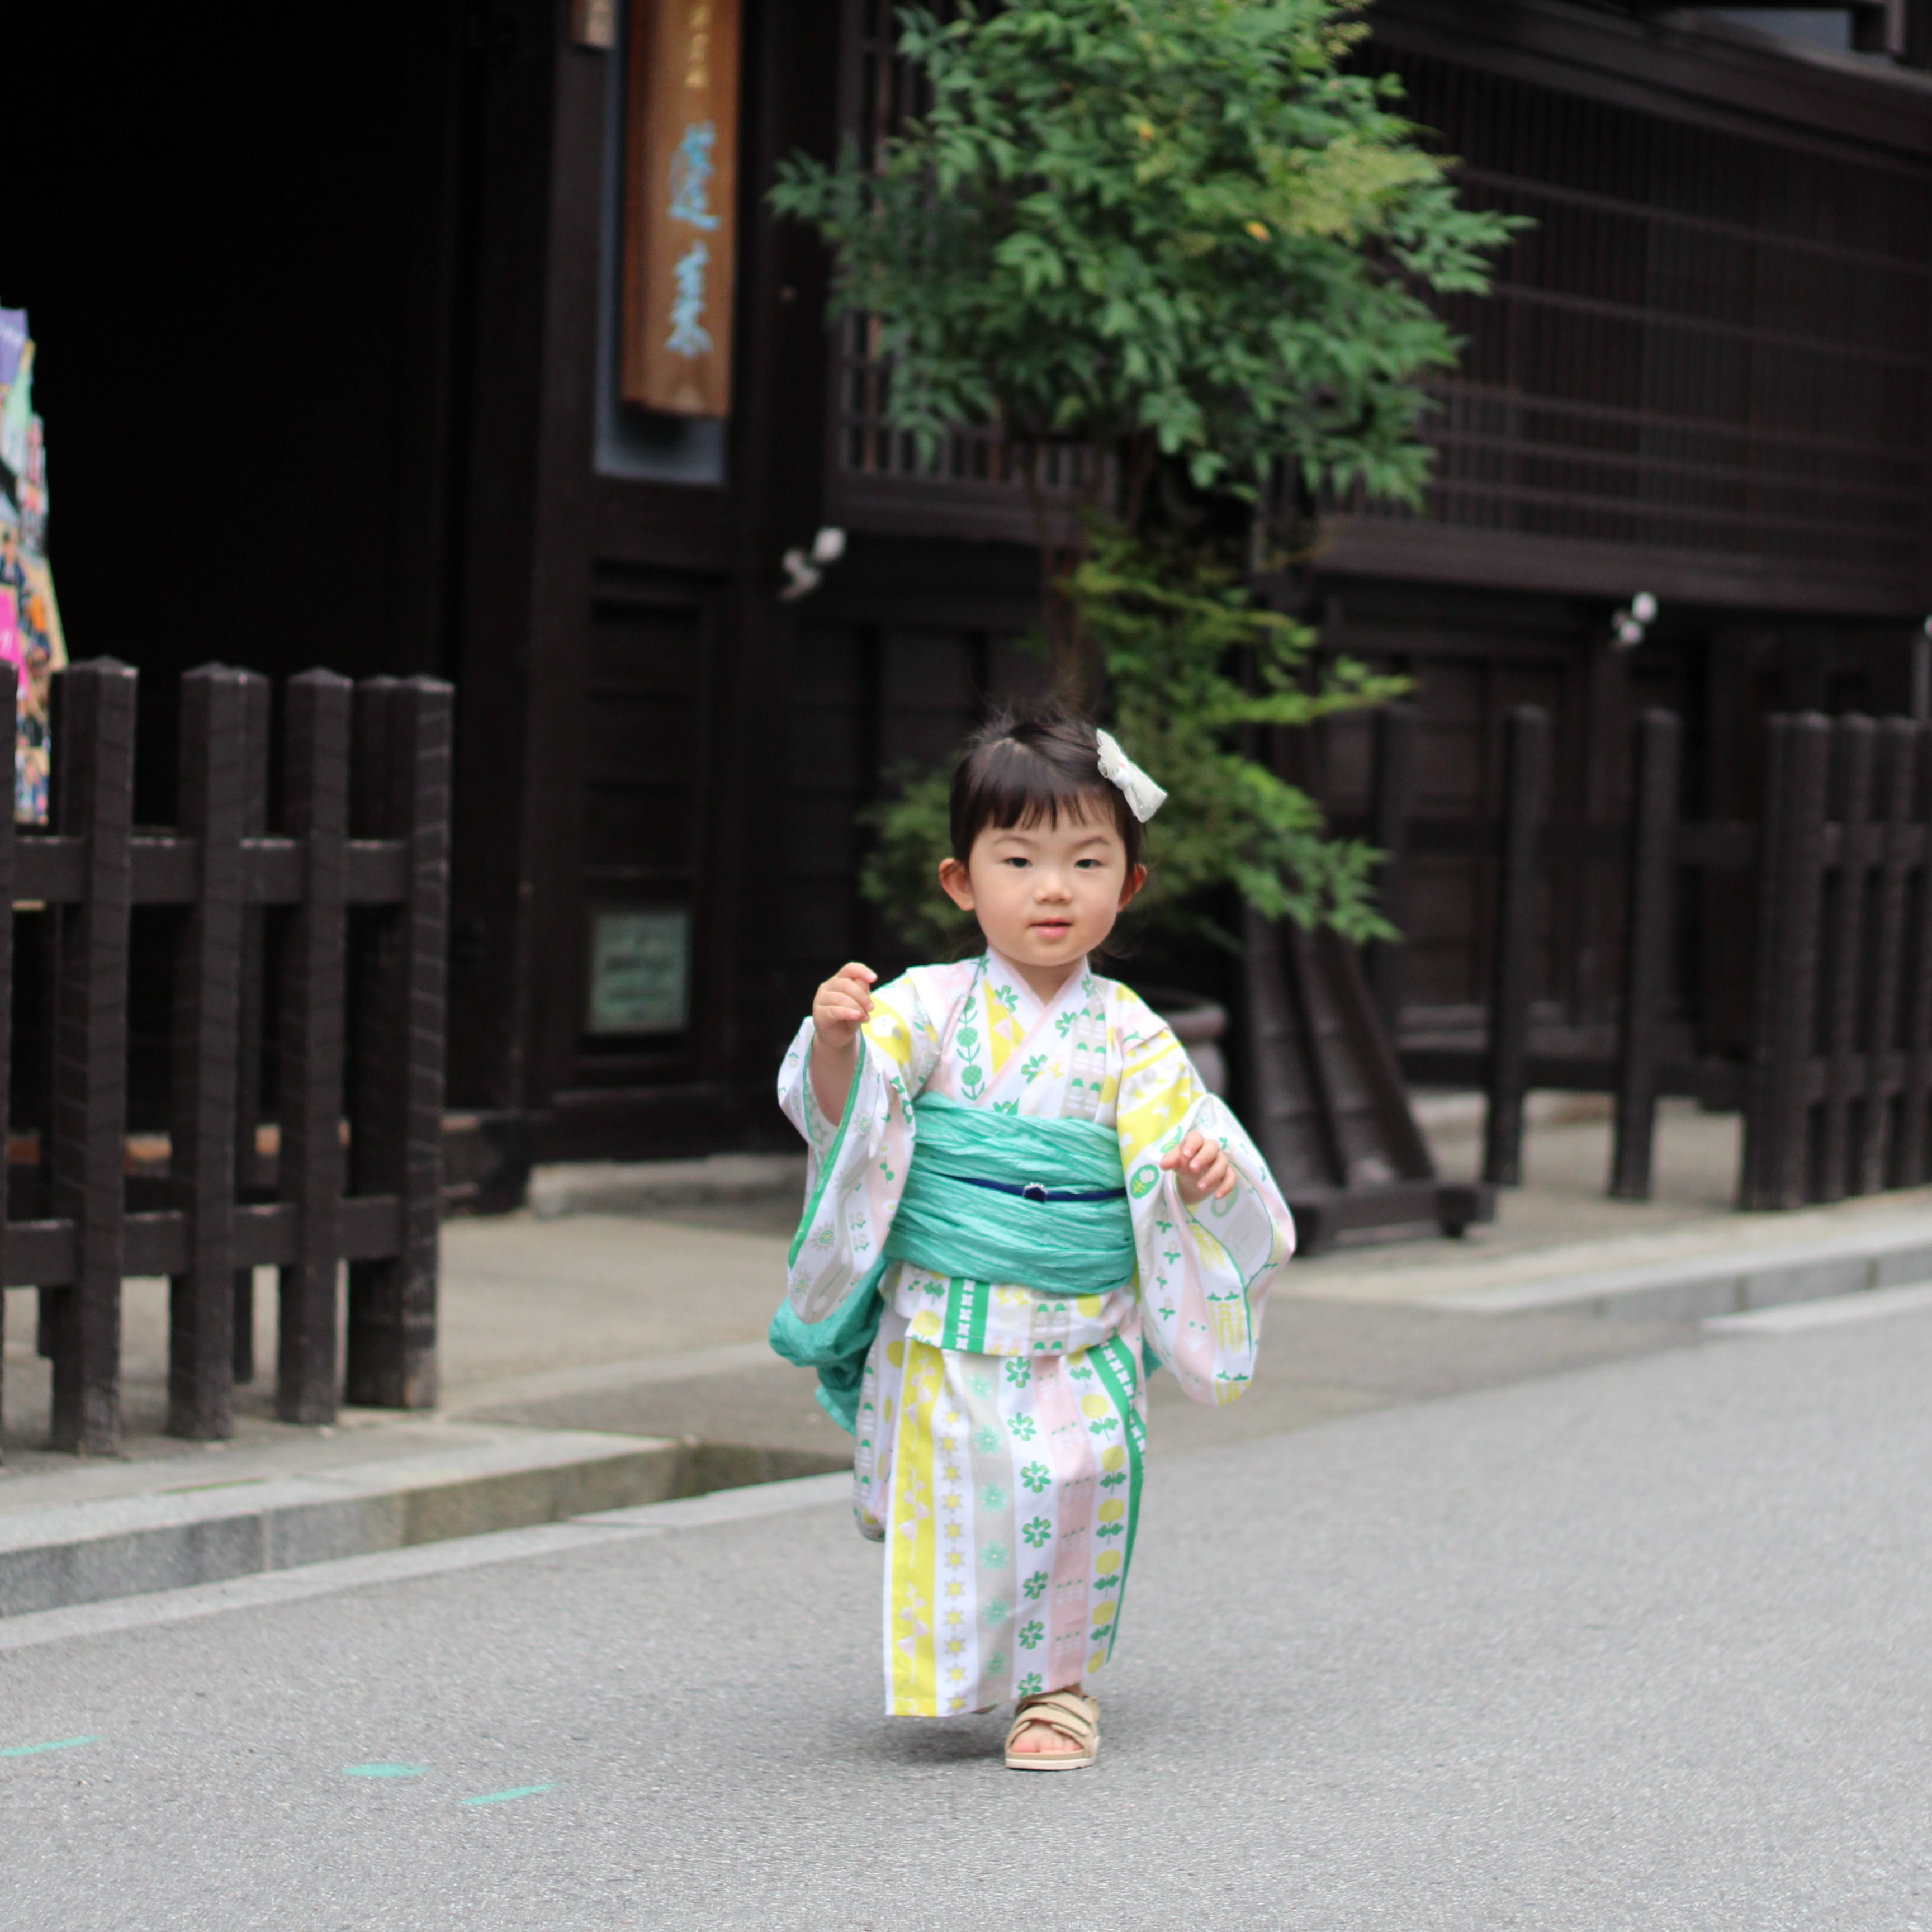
402, 784
1648, 930
44, 935
1512, 983
94, 801
1390, 808
1790, 888
213, 787
1897, 774
315, 812
257, 701
1911, 1157
1843, 932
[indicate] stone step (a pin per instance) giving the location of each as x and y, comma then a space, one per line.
1887, 1254
60, 1545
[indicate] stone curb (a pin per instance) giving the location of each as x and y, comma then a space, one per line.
69, 1553
1895, 1255
635, 1187
256, 1591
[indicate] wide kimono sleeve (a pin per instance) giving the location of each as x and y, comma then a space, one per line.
1205, 1270
855, 1170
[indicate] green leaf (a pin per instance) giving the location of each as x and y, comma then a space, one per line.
1173, 216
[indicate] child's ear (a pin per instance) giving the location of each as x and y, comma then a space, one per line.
956, 883
1136, 879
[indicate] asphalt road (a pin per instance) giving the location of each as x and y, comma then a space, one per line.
1321, 1360
1643, 1645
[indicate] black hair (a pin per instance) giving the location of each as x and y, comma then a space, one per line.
1019, 771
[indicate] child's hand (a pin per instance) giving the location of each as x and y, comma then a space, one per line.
1202, 1168
843, 1004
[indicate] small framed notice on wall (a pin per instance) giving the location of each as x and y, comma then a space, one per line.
639, 969
680, 205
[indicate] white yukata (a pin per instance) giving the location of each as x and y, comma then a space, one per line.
1000, 1428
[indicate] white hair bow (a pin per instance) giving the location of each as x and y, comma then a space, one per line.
1144, 798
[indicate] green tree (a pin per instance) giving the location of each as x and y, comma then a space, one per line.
1173, 627
1177, 235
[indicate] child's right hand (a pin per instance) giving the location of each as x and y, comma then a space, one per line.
843, 1004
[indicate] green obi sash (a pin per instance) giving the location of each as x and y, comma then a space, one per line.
951, 1221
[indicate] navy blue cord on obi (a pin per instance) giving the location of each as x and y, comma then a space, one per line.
1032, 1190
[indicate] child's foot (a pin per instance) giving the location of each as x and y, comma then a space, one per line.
1056, 1730
1042, 1739
1036, 1736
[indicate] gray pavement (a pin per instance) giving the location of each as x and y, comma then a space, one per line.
1643, 1645
521, 1297
1323, 1359
1560, 1223
654, 1324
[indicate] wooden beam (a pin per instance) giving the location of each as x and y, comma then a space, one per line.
1405, 547
1690, 70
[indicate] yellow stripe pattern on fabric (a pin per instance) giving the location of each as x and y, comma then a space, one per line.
891, 1033
1165, 1111
1002, 1029
915, 1538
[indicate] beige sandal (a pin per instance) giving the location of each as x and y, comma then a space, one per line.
1076, 1716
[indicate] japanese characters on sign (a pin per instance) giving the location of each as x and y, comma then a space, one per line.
680, 227
639, 969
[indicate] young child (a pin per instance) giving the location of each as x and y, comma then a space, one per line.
1020, 1200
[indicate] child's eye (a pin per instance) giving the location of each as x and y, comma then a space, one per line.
1016, 862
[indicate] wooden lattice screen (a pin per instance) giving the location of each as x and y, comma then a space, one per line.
1709, 342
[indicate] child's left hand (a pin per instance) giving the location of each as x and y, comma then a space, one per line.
1202, 1168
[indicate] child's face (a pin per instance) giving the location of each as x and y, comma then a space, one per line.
1046, 896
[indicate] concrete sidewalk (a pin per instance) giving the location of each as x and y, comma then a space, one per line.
622, 1357
1559, 1240
524, 1302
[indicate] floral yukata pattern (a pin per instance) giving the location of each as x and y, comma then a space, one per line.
1001, 1430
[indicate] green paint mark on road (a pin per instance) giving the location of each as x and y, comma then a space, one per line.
58, 1744
502, 1797
384, 1770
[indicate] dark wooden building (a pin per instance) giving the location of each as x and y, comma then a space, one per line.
333, 307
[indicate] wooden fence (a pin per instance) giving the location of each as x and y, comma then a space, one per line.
307, 967
1841, 1069
1835, 1084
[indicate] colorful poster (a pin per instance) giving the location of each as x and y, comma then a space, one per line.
13, 341
30, 627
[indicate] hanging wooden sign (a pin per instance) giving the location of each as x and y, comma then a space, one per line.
680, 213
